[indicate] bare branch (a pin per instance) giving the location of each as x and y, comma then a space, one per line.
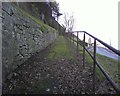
68, 22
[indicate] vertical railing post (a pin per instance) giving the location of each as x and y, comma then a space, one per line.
84, 50
70, 38
77, 44
94, 67
73, 40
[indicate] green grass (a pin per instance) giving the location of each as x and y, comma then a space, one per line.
60, 49
80, 48
90, 62
44, 27
109, 65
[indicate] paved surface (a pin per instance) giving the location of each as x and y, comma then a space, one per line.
105, 52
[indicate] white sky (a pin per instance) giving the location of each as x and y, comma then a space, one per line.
97, 17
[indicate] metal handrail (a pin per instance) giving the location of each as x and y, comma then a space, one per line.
105, 44
94, 57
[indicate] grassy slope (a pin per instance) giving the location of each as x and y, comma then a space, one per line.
110, 65
44, 27
60, 49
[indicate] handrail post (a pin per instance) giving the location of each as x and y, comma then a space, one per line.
94, 67
77, 44
95, 63
84, 50
73, 39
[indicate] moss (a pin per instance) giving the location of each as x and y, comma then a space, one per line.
43, 29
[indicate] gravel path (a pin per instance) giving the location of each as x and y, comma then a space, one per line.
38, 75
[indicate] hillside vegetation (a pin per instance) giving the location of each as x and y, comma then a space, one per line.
44, 27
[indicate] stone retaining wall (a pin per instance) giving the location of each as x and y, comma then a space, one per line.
21, 38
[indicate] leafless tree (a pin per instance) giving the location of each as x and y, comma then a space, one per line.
68, 22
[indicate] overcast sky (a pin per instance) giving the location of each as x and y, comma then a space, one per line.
98, 17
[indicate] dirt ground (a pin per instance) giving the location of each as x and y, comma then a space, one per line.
39, 75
